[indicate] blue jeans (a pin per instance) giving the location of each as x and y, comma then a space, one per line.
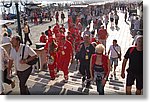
98, 76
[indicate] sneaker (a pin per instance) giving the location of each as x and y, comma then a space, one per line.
13, 84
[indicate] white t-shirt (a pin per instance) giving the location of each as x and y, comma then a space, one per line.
17, 56
113, 53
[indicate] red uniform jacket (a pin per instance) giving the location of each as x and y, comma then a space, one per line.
43, 39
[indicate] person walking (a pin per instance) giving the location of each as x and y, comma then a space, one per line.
84, 55
65, 52
51, 50
99, 68
135, 69
62, 17
115, 51
26, 31
116, 20
102, 36
22, 68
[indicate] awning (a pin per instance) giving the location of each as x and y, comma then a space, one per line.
77, 6
6, 21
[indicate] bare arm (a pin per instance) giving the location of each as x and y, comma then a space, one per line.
123, 68
10, 63
91, 72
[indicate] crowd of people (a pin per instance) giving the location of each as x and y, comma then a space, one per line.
85, 46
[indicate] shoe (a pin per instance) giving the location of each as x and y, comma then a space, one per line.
13, 84
52, 78
65, 81
83, 79
88, 84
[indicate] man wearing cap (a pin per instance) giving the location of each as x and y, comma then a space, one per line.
65, 51
51, 48
84, 55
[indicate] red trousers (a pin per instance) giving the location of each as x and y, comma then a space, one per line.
63, 65
52, 70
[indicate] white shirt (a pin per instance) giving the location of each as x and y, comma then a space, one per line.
113, 53
3, 57
17, 56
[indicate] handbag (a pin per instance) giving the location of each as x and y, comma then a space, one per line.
32, 62
119, 55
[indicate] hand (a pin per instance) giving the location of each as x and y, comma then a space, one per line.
22, 61
123, 75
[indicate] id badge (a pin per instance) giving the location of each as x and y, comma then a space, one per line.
62, 52
86, 57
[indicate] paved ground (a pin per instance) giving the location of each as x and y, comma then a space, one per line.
39, 82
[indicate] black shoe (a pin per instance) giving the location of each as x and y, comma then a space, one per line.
83, 79
52, 78
88, 84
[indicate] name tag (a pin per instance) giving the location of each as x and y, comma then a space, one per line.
62, 52
86, 57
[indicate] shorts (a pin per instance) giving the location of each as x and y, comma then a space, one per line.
131, 78
114, 60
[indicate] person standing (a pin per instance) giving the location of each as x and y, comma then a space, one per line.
114, 49
22, 68
84, 55
135, 69
26, 31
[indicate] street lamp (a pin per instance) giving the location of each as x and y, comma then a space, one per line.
8, 4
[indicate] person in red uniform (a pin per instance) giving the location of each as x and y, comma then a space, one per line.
43, 38
70, 37
51, 50
63, 29
56, 29
35, 18
65, 56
